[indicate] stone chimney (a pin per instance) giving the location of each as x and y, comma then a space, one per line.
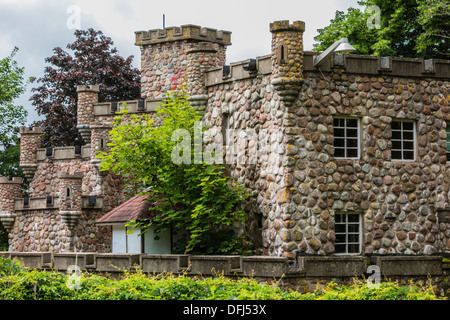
30, 141
87, 96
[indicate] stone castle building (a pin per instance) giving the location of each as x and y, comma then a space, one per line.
346, 158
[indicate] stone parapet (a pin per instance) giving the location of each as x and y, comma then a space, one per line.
310, 272
133, 106
185, 32
409, 265
63, 153
372, 65
236, 71
44, 203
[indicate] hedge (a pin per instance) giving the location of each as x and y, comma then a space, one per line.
17, 283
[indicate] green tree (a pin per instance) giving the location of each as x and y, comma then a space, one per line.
90, 59
352, 26
408, 28
195, 197
12, 85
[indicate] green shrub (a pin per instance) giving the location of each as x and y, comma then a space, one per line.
20, 284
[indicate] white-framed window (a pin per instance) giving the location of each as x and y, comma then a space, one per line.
346, 138
348, 233
403, 140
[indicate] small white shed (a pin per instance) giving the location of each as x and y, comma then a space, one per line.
123, 241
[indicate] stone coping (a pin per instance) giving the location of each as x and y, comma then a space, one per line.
254, 266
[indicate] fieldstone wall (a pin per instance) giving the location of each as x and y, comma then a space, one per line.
299, 185
44, 230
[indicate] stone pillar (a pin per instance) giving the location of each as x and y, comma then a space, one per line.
87, 96
287, 58
9, 190
30, 141
70, 201
279, 234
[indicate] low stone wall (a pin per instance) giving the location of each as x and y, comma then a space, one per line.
303, 275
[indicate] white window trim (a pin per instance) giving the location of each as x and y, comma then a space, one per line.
414, 141
358, 134
360, 231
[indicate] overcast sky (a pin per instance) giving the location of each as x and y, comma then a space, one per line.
38, 26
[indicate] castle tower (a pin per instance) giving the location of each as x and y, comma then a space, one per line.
169, 53
87, 96
201, 57
287, 58
30, 141
9, 190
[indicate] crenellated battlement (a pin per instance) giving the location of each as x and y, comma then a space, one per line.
284, 25
34, 130
6, 180
185, 32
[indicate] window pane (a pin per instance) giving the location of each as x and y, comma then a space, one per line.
339, 153
339, 218
396, 135
352, 153
340, 238
408, 145
353, 228
353, 237
352, 123
339, 228
408, 135
396, 125
396, 154
408, 126
353, 217
335, 122
353, 248
352, 143
339, 248
352, 133
339, 142
409, 155
339, 132
396, 145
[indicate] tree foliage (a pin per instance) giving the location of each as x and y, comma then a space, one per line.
408, 28
196, 197
12, 85
91, 60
